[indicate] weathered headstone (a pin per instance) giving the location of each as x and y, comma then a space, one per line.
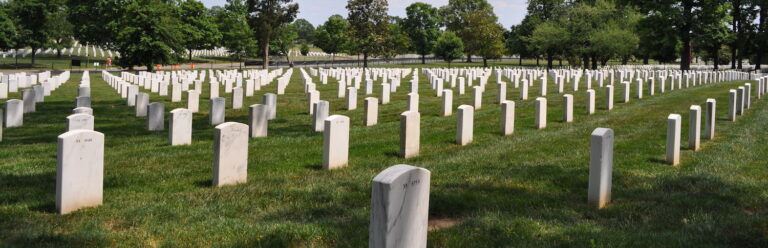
709, 122
237, 98
465, 125
385, 91
351, 98
84, 91
180, 127
600, 167
399, 208
477, 97
413, 102
371, 111
270, 100
28, 96
218, 110
410, 134
193, 101
507, 117
14, 113
131, 97
142, 100
259, 120
732, 108
79, 170
82, 110
321, 112
79, 122
567, 108
609, 97
156, 120
230, 154
83, 101
673, 139
694, 128
336, 142
590, 101
447, 102
502, 92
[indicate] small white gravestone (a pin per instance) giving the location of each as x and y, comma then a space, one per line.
502, 92
237, 98
336, 142
79, 170
156, 120
567, 108
79, 122
259, 120
3, 90
371, 111
609, 97
142, 100
413, 102
410, 134
193, 101
465, 125
270, 100
217, 113
626, 92
600, 167
230, 154
541, 113
39, 93
84, 91
180, 127
590, 101
477, 99
709, 122
83, 110
321, 111
399, 208
312, 98
694, 128
14, 113
673, 139
132, 91
351, 98
28, 96
385, 91
639, 88
507, 117
83, 101
740, 100
447, 102
732, 108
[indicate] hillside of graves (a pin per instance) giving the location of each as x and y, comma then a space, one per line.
314, 157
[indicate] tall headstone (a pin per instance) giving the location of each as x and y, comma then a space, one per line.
193, 101
590, 101
413, 102
175, 92
465, 125
258, 120
79, 122
321, 112
351, 98
131, 97
709, 122
230, 154
336, 142
79, 170
477, 97
507, 117
673, 139
609, 97
28, 96
83, 101
541, 113
732, 108
447, 102
142, 100
156, 120
694, 128
399, 208
84, 91
567, 108
502, 92
180, 127
14, 113
600, 167
270, 100
218, 110
385, 91
410, 134
237, 98
371, 111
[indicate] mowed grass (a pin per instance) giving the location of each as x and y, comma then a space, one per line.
523, 190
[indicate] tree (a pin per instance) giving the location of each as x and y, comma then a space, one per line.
60, 31
550, 39
488, 36
97, 22
448, 47
304, 49
150, 36
237, 36
282, 42
613, 42
331, 36
455, 17
713, 31
397, 42
199, 27
423, 27
267, 15
7, 29
32, 18
305, 31
369, 27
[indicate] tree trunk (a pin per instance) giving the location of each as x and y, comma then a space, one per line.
560, 62
150, 67
469, 58
520, 61
58, 52
549, 61
34, 51
716, 56
485, 62
761, 35
594, 62
265, 51
537, 60
423, 59
685, 35
737, 17
190, 55
288, 57
645, 60
365, 60
586, 61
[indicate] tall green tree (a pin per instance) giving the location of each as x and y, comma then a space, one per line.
60, 31
97, 22
32, 18
237, 35
332, 37
423, 27
550, 39
713, 31
398, 42
199, 27
369, 27
488, 36
282, 42
304, 30
455, 16
7, 29
150, 35
265, 16
448, 47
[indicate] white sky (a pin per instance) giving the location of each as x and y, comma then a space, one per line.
510, 12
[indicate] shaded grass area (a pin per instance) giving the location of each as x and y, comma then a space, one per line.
526, 190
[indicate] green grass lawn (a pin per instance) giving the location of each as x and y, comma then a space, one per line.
524, 190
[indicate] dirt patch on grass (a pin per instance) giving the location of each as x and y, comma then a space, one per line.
442, 223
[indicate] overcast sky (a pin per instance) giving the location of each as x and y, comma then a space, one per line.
510, 12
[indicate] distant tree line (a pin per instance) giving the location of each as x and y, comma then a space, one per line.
586, 33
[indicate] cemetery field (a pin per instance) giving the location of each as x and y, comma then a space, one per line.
524, 190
